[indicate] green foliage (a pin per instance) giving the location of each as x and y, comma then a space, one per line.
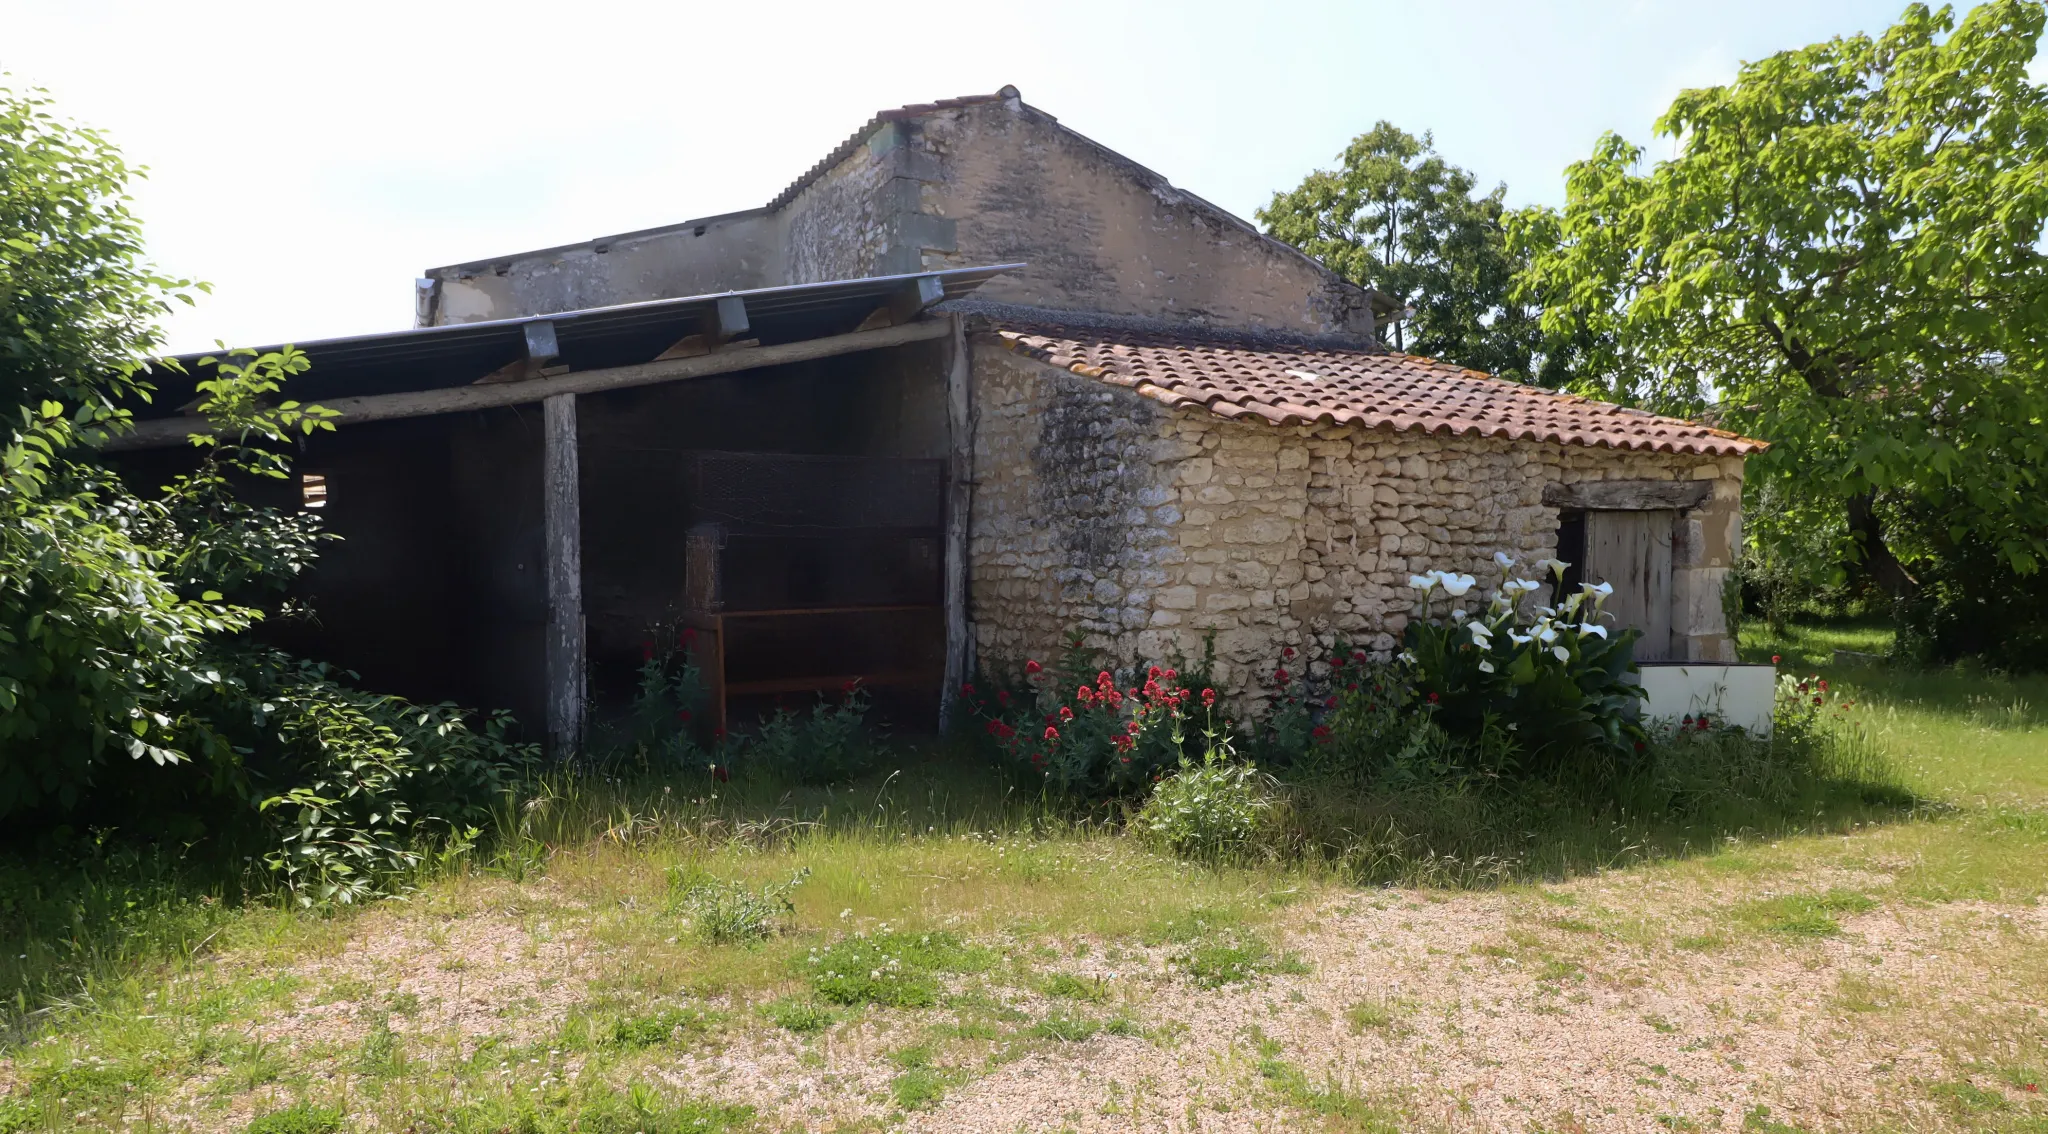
799, 1016
1553, 680
1213, 810
1845, 257
729, 912
298, 1118
662, 730
1396, 217
636, 1032
1074, 727
1231, 957
893, 969
830, 746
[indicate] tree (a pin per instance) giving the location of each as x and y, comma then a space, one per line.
1398, 218
1844, 257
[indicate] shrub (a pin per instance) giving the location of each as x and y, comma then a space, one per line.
635, 1032
1083, 734
661, 730
831, 745
1211, 810
725, 912
799, 1016
1552, 678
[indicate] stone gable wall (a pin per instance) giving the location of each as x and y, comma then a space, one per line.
1149, 527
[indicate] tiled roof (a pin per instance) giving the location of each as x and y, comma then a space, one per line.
1246, 379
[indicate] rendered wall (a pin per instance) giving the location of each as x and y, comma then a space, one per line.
1147, 527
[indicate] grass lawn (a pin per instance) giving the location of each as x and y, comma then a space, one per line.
953, 957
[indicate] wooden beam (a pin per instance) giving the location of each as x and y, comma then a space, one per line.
959, 501
459, 399
1629, 495
561, 508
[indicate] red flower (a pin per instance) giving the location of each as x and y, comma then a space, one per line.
1358, 655
966, 689
1170, 675
1816, 698
647, 651
1104, 681
1331, 703
1320, 732
689, 635
1288, 652
1066, 714
1703, 724
1351, 688
1639, 746
1084, 695
1052, 734
1775, 659
1002, 696
718, 734
683, 715
850, 686
1031, 667
1280, 675
719, 773
1154, 673
1208, 698
1127, 760
1432, 698
1337, 661
1823, 684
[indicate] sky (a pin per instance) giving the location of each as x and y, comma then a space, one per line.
310, 160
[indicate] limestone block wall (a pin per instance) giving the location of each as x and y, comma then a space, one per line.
1150, 527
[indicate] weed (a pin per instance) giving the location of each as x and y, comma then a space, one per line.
1365, 1015
1804, 915
919, 1087
1065, 1028
1965, 1097
1066, 986
799, 1016
1758, 1120
897, 970
727, 912
1862, 994
299, 1118
1232, 959
635, 1032
1339, 1108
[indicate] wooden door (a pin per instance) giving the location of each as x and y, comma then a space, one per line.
1632, 550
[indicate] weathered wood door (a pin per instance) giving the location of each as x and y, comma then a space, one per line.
1632, 550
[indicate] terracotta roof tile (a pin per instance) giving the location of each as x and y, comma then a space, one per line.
1289, 384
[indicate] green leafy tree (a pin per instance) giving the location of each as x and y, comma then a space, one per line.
1844, 256
1397, 218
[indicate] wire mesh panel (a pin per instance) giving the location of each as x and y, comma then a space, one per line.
769, 491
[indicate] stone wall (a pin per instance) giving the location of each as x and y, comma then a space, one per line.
990, 182
1149, 527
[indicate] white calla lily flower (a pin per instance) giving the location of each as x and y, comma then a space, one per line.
1547, 634
1561, 653
1520, 639
1485, 666
1456, 585
1504, 559
1423, 583
1459, 616
1601, 591
1592, 628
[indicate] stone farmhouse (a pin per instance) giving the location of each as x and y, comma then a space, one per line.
970, 382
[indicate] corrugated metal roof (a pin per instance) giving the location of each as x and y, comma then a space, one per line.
430, 358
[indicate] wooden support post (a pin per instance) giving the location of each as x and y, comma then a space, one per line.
959, 500
562, 515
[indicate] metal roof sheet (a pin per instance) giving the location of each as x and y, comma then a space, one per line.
428, 358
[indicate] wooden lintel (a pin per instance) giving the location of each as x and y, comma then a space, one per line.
1629, 495
162, 432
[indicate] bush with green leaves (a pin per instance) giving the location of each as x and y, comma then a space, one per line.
132, 695
1214, 809
892, 969
1554, 679
830, 745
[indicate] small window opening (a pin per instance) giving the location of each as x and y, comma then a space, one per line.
1571, 548
312, 490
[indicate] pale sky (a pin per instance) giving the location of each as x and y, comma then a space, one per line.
309, 160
